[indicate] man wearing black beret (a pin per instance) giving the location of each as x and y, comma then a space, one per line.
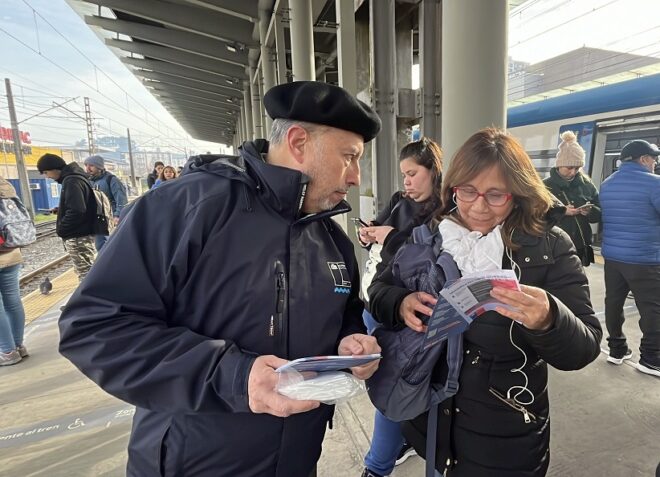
187, 315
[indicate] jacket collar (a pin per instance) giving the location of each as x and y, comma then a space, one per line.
562, 183
282, 188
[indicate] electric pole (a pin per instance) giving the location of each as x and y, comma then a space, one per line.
130, 159
26, 193
90, 130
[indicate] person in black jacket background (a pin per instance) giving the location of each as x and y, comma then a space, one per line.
496, 214
187, 314
76, 214
152, 177
421, 166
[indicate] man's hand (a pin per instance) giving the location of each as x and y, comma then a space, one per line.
359, 344
116, 220
262, 397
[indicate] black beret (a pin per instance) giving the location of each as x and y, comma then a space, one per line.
50, 162
322, 103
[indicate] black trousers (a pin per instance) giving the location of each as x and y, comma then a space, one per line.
644, 282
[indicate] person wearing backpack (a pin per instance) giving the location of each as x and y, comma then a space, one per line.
421, 166
497, 214
76, 214
111, 186
12, 314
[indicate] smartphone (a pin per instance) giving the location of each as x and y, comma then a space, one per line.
359, 222
588, 205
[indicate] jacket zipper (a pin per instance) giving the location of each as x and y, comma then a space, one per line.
276, 327
528, 416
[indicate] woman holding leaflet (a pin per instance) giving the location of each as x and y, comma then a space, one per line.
497, 214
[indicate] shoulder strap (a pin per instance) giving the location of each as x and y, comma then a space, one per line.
108, 180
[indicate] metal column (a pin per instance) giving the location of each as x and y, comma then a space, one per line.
262, 108
430, 65
347, 62
280, 47
256, 103
247, 109
267, 67
302, 40
383, 71
474, 70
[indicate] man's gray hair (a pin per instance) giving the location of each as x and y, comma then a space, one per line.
280, 127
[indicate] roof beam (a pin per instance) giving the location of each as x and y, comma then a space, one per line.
199, 105
184, 72
202, 63
180, 40
238, 8
189, 84
186, 93
193, 19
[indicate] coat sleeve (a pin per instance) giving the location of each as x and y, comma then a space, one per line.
574, 339
594, 216
118, 192
384, 296
115, 326
76, 195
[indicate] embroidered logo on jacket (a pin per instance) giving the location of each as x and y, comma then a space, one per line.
340, 276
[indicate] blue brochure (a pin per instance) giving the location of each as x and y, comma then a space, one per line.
327, 363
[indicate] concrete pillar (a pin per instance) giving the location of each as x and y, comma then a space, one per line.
430, 67
383, 71
247, 110
239, 130
280, 47
267, 68
302, 40
347, 62
256, 103
474, 70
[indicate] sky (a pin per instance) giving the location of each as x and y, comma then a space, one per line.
50, 54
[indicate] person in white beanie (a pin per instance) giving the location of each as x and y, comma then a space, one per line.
569, 184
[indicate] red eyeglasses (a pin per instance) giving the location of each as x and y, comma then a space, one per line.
492, 198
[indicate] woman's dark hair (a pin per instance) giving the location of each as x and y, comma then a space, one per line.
494, 147
426, 153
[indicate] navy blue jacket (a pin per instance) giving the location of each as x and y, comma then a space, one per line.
630, 199
204, 274
113, 188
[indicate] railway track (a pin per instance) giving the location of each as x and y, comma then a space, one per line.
45, 229
30, 281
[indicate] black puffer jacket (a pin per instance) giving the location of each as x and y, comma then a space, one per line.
479, 434
76, 214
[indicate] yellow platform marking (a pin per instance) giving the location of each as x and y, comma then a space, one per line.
36, 304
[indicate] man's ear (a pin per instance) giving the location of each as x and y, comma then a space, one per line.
298, 140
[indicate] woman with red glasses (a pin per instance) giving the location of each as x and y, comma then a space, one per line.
497, 214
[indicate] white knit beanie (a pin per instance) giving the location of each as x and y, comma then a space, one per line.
570, 153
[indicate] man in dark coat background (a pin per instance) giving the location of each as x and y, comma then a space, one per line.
188, 314
76, 214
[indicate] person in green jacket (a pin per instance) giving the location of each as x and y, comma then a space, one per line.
569, 184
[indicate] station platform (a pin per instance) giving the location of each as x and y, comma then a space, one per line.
55, 422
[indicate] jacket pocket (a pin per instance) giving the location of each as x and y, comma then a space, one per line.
172, 446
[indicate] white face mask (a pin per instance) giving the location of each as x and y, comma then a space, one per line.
472, 251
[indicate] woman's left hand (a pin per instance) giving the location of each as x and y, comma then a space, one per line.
379, 232
531, 306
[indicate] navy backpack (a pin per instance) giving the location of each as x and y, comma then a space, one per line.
402, 388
